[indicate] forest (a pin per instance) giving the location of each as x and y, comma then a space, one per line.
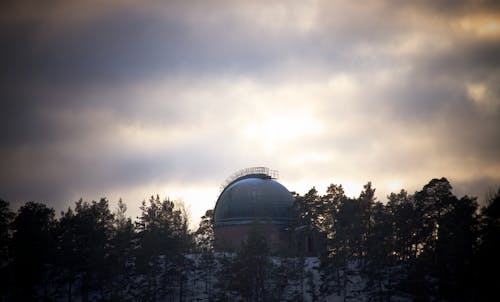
429, 245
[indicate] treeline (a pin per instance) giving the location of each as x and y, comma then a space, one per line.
429, 245
92, 253
425, 246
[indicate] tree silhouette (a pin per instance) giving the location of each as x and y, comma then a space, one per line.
204, 236
120, 253
84, 236
162, 235
6, 217
32, 250
425, 246
455, 250
252, 269
487, 259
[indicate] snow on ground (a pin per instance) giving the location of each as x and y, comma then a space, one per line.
198, 286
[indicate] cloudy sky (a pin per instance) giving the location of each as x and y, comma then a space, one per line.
132, 98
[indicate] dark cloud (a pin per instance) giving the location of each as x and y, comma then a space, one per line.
126, 46
95, 100
452, 8
482, 188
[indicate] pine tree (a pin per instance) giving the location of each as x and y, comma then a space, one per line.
120, 254
67, 255
206, 270
32, 249
487, 264
282, 277
378, 252
6, 217
223, 290
335, 258
204, 236
433, 202
162, 237
332, 201
342, 248
308, 209
297, 280
84, 247
252, 269
435, 207
455, 246
366, 202
405, 226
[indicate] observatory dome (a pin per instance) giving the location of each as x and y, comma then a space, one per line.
253, 198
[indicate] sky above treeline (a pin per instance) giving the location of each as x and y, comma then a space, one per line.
125, 99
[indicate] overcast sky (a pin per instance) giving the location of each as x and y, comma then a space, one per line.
132, 98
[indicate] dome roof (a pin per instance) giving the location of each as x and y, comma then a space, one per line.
250, 198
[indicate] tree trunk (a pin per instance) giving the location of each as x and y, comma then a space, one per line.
85, 288
339, 290
70, 284
181, 288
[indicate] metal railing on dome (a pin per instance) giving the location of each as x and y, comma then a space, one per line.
249, 171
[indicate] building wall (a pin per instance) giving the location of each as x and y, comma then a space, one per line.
230, 237
280, 239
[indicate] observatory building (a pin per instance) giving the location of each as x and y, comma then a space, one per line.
252, 200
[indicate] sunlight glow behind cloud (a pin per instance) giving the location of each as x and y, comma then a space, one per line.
136, 98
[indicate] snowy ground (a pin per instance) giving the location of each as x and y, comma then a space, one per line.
197, 288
